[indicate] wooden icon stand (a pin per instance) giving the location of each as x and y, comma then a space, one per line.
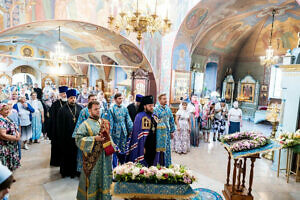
237, 190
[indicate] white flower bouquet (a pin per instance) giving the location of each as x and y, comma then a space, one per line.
130, 172
289, 139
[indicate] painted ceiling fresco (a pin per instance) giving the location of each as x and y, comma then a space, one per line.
225, 27
86, 42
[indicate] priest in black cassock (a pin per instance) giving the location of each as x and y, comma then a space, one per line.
67, 118
134, 107
52, 131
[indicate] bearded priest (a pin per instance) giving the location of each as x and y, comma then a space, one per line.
67, 118
142, 148
93, 139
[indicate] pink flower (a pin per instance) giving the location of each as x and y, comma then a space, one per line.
166, 175
142, 171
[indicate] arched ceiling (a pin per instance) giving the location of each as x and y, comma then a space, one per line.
239, 28
87, 42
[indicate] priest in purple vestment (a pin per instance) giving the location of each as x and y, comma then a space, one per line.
142, 148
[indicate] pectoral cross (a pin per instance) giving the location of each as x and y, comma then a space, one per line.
147, 123
74, 119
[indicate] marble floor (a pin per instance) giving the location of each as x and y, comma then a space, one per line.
36, 180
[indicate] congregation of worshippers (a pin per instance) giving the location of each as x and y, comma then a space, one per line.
98, 96
77, 121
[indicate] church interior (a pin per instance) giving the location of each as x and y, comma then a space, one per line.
234, 51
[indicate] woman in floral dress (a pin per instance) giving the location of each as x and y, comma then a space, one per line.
9, 137
181, 142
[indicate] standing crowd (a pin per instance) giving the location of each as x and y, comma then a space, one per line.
195, 121
91, 135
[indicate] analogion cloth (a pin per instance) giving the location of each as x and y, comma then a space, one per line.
269, 147
165, 127
152, 191
96, 179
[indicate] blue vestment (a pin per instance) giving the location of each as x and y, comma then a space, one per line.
121, 127
165, 127
84, 115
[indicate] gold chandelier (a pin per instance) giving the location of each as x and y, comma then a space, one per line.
139, 23
269, 59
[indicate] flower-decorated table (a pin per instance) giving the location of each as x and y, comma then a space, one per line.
135, 181
240, 147
291, 142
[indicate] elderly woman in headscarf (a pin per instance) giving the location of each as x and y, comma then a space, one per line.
207, 119
181, 140
9, 137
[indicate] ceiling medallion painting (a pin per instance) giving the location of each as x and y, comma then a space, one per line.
27, 51
195, 18
131, 53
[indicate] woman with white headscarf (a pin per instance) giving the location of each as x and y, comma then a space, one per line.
234, 118
181, 141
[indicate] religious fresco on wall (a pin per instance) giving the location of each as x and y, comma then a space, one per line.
76, 41
97, 11
84, 67
230, 35
195, 18
284, 37
131, 53
181, 58
181, 85
27, 51
93, 59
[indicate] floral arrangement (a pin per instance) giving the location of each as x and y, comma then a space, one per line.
130, 172
243, 141
289, 139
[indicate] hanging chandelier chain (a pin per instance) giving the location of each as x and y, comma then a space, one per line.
273, 17
58, 33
